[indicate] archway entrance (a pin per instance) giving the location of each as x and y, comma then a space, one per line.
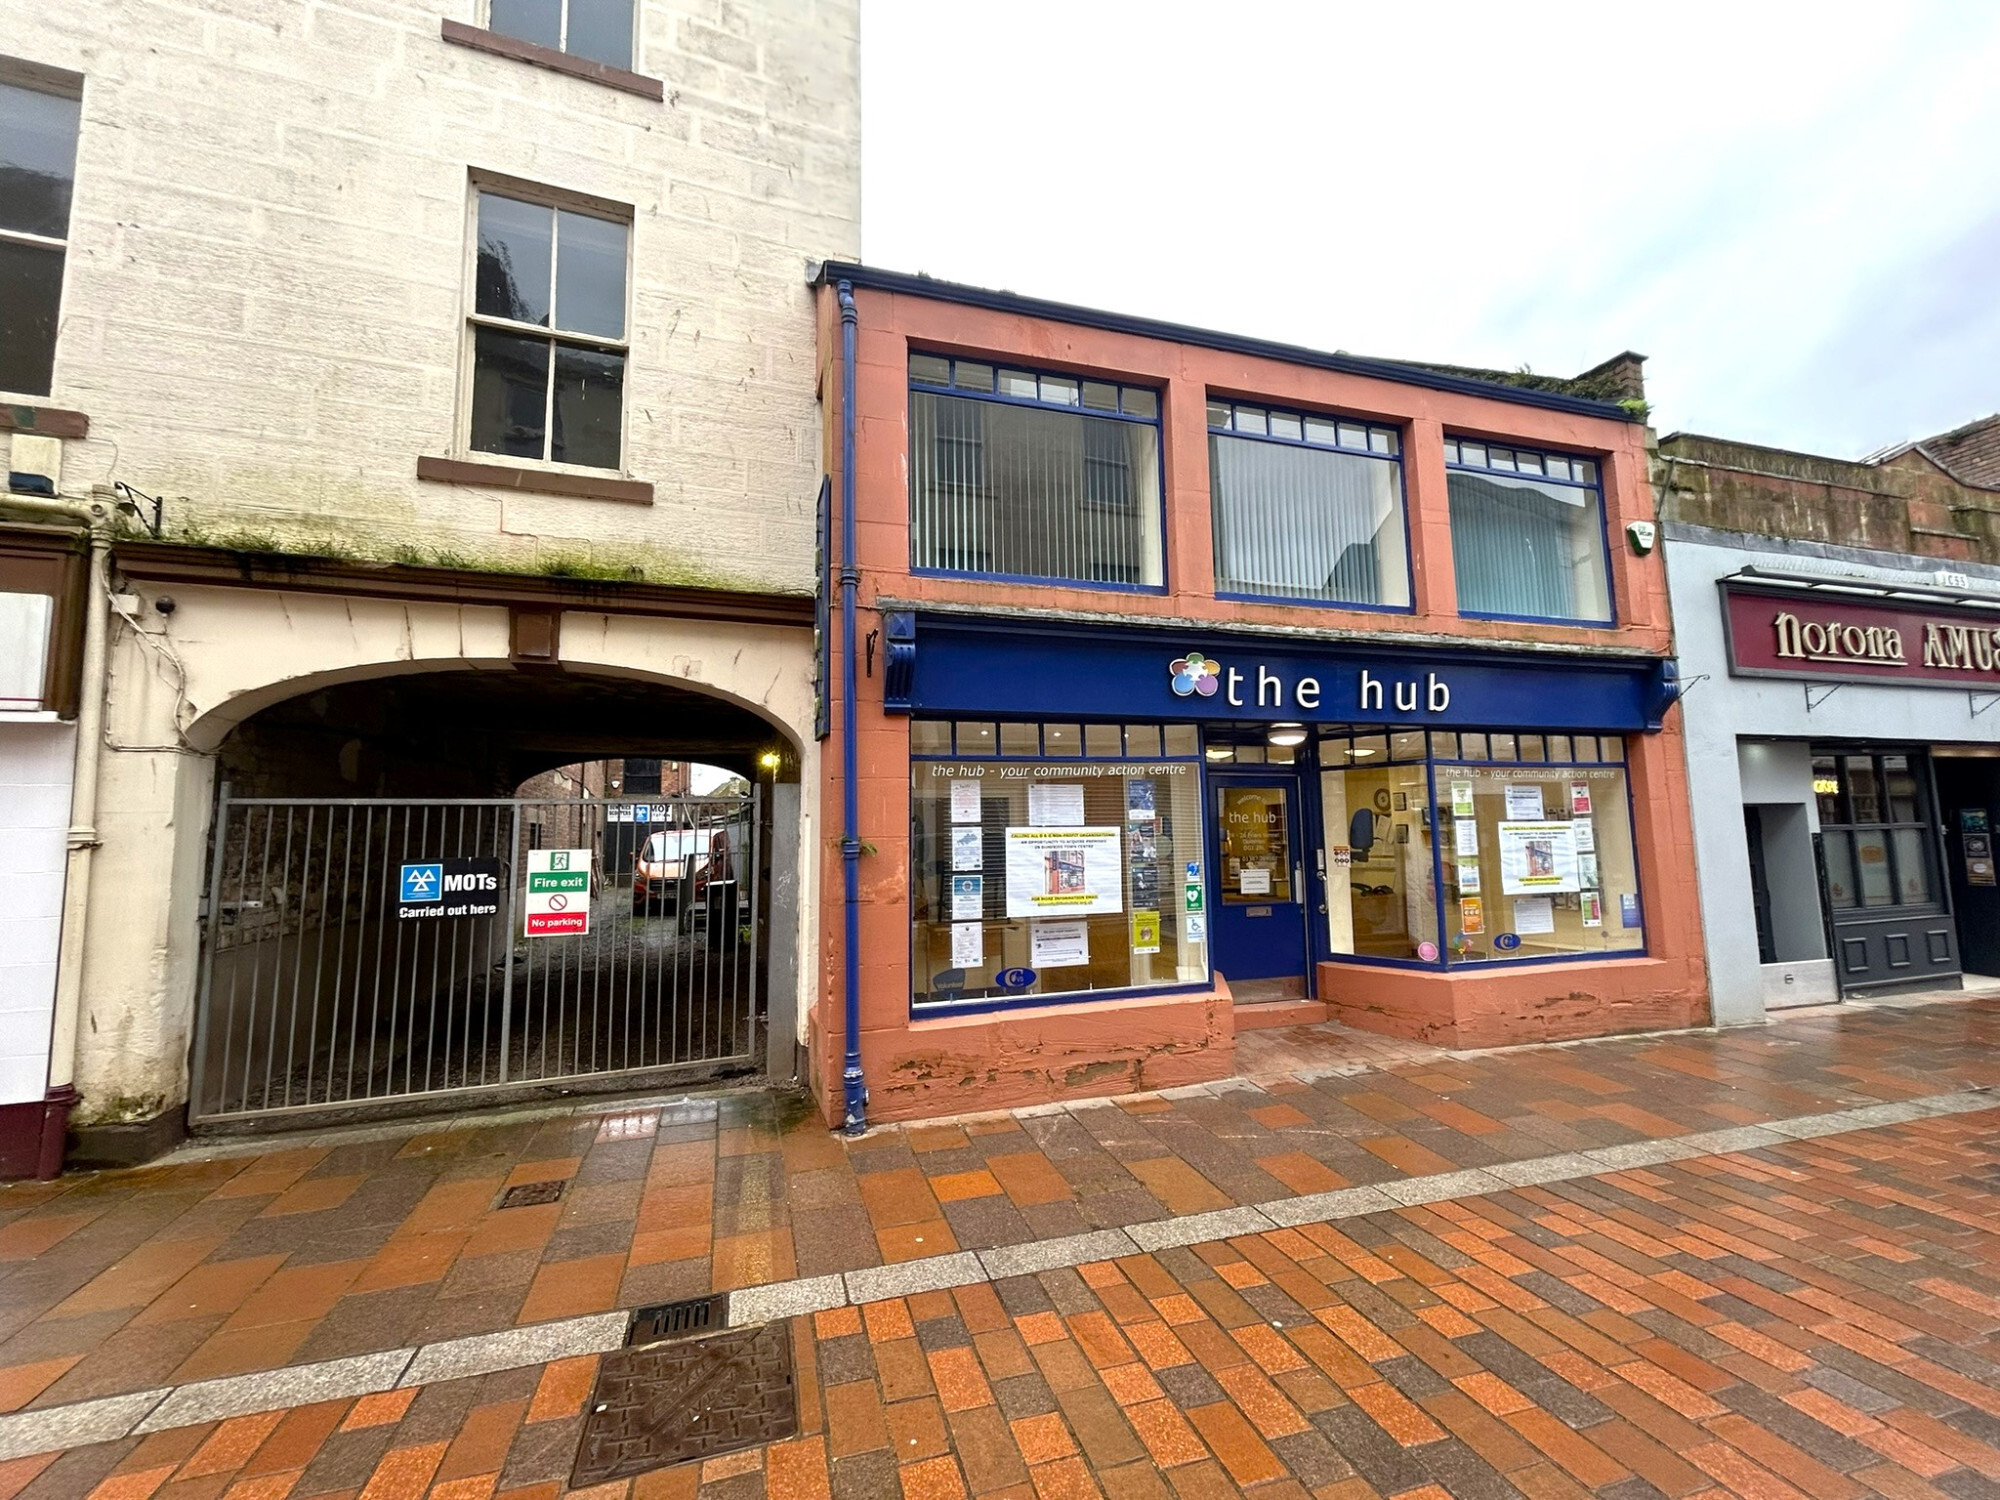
483, 883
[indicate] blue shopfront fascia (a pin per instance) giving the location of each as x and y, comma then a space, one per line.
955, 665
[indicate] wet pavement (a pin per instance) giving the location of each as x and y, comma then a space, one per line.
1810, 1316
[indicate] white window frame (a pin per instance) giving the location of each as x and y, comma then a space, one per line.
562, 34
39, 78
482, 181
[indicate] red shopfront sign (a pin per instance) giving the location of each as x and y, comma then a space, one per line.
1798, 634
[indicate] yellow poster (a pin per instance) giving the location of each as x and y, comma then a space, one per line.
1145, 932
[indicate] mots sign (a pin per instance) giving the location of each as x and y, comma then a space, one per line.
1788, 634
449, 888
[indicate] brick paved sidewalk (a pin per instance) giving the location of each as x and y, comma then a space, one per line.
1813, 1319
205, 1268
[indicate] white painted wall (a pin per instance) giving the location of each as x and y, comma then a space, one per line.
1720, 710
267, 276
35, 763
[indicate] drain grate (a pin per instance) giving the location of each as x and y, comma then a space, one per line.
527, 1194
677, 1320
671, 1403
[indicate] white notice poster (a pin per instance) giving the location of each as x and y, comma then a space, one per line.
965, 802
1064, 871
968, 898
1535, 915
1524, 803
1537, 857
1468, 877
1058, 804
967, 850
1058, 945
1194, 927
1586, 837
1255, 882
1461, 799
968, 945
1467, 832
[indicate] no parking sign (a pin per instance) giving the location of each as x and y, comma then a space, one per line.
558, 892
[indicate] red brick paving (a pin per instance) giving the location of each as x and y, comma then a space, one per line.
1817, 1319
126, 1280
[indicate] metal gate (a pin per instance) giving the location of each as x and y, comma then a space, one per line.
358, 951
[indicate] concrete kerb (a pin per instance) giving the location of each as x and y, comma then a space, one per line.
111, 1418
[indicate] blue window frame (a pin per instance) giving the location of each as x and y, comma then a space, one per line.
1034, 477
1132, 796
1307, 508
1527, 534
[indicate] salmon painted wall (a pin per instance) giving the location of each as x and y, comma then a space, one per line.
950, 1065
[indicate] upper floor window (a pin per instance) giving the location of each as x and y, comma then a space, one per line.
1306, 507
40, 109
548, 339
596, 30
1527, 534
1045, 477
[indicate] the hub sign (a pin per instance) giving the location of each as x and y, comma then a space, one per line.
558, 892
449, 888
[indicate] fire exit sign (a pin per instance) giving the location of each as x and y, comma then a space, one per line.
558, 892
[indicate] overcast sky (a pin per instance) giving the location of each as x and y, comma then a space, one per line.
1793, 210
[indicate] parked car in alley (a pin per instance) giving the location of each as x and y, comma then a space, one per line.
664, 869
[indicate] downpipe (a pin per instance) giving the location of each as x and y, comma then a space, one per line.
62, 1096
854, 1090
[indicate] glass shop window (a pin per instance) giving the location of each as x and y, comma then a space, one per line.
1472, 855
1018, 474
547, 333
1040, 875
1875, 833
1527, 534
596, 30
1307, 507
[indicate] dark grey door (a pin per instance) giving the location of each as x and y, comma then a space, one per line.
1888, 907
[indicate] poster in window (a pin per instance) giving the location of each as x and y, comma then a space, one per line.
1059, 945
1467, 833
1534, 915
1145, 884
968, 897
1586, 835
968, 945
1255, 881
1586, 871
965, 802
1579, 799
1194, 927
1471, 918
968, 851
1145, 932
1461, 799
1468, 877
1537, 858
1524, 803
1145, 844
1628, 908
1593, 908
1064, 871
1139, 805
1057, 804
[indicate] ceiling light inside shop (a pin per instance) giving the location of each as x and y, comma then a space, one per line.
1221, 752
1287, 734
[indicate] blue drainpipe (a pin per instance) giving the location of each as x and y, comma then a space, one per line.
852, 1087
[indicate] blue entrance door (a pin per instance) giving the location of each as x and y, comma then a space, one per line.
1259, 921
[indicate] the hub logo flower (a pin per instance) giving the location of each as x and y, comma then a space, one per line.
1195, 674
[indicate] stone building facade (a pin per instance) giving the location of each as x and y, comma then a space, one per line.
473, 376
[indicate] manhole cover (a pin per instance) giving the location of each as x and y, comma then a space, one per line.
677, 1320
526, 1194
671, 1403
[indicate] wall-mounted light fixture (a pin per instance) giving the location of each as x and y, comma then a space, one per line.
1287, 734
